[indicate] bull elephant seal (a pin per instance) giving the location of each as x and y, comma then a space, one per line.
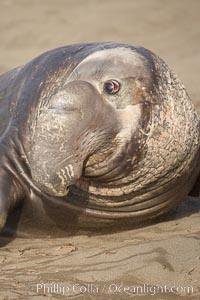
104, 129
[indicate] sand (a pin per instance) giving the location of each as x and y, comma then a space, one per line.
107, 265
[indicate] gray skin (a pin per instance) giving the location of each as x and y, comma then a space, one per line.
65, 140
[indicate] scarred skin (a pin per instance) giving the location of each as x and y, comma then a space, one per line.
131, 155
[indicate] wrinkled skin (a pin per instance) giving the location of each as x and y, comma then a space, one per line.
67, 142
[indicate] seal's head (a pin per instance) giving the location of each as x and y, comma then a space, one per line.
120, 127
89, 126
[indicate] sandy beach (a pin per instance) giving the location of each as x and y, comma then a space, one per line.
162, 258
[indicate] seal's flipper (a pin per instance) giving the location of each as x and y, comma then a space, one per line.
9, 195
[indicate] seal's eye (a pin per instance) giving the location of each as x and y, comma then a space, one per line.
111, 87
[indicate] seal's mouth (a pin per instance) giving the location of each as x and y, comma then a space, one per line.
109, 164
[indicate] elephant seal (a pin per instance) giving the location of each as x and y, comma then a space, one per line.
103, 130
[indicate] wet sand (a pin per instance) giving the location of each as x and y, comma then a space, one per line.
99, 265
